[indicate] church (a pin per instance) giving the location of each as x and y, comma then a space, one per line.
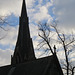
23, 61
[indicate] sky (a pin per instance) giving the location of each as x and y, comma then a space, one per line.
38, 11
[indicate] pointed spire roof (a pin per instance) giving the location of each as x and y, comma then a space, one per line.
24, 11
24, 50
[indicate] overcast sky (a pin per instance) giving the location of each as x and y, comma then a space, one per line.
38, 11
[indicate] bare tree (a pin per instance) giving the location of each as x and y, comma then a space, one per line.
67, 42
45, 35
3, 23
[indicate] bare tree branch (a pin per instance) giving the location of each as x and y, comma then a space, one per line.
63, 40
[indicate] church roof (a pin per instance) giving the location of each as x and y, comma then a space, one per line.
43, 66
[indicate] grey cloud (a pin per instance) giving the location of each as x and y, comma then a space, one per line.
13, 6
5, 57
65, 12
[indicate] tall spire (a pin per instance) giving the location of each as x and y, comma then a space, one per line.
24, 11
24, 50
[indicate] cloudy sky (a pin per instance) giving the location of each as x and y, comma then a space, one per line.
38, 11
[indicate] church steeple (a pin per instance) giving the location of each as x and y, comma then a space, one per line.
24, 11
24, 50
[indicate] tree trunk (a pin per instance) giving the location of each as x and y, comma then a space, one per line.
66, 58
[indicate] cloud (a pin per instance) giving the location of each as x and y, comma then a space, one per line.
38, 10
5, 57
42, 14
64, 12
9, 36
10, 6
13, 6
30, 3
34, 34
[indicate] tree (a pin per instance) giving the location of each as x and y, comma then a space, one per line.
3, 23
67, 43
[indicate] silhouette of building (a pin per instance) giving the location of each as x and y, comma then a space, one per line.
23, 61
24, 50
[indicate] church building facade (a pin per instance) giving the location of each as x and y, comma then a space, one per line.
23, 61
